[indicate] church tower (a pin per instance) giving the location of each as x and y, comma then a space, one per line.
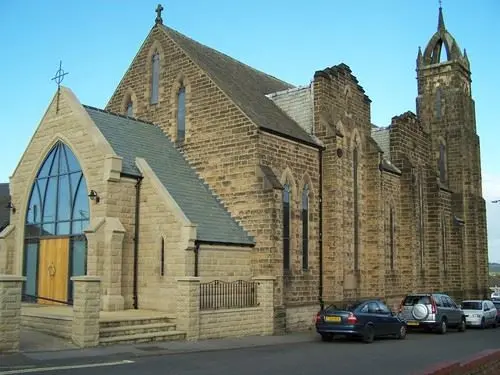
446, 109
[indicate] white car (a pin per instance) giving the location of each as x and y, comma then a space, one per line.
480, 313
495, 295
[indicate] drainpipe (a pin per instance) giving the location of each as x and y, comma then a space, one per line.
196, 257
136, 240
320, 291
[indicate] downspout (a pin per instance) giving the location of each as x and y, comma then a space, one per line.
196, 257
320, 291
136, 240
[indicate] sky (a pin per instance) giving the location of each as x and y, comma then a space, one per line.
97, 40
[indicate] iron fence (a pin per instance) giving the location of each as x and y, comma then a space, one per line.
220, 294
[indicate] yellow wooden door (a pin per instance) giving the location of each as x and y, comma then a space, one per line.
53, 270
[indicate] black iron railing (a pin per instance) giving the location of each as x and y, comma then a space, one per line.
219, 294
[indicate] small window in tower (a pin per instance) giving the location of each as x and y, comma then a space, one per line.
130, 108
442, 162
155, 77
438, 103
181, 114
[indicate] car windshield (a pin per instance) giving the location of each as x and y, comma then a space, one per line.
471, 305
415, 300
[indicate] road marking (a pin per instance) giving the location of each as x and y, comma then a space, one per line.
58, 368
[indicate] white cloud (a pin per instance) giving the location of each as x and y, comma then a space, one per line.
491, 186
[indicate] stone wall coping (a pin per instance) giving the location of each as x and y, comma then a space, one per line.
86, 278
264, 278
12, 278
192, 279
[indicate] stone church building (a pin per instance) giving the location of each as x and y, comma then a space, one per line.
203, 166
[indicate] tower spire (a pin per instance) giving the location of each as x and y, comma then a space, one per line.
440, 19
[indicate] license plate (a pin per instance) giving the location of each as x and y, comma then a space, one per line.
412, 323
334, 319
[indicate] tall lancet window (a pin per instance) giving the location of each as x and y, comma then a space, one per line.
444, 239
355, 188
181, 114
155, 77
442, 162
130, 108
286, 226
305, 227
392, 237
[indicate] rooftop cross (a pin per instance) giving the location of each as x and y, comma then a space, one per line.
158, 19
58, 78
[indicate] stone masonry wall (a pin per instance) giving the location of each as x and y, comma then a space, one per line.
224, 263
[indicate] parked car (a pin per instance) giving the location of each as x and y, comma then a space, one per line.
433, 312
495, 295
480, 313
366, 319
497, 306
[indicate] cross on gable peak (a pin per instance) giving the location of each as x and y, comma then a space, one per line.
158, 19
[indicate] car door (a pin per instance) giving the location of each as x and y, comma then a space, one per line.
455, 311
391, 322
377, 318
491, 312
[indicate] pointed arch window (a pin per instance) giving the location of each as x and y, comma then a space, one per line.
130, 108
442, 163
162, 257
305, 227
155, 77
355, 188
58, 203
286, 226
181, 114
444, 240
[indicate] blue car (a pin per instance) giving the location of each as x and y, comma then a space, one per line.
366, 319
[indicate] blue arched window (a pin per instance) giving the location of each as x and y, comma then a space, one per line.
58, 205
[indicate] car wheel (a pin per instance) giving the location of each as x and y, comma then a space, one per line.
327, 337
483, 324
462, 326
368, 334
402, 332
443, 327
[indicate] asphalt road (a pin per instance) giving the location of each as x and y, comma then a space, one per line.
385, 357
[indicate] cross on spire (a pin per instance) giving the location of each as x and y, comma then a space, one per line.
158, 19
58, 78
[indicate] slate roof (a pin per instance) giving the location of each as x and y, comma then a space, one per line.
4, 200
131, 138
246, 86
382, 137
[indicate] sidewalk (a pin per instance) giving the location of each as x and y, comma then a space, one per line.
64, 351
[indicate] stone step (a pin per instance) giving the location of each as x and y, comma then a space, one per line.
143, 337
136, 329
134, 321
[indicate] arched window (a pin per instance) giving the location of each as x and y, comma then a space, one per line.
130, 108
162, 257
392, 239
442, 163
305, 227
286, 226
155, 77
57, 215
181, 114
355, 188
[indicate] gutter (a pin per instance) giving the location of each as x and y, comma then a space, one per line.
136, 240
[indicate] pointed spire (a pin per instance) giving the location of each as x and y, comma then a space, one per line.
466, 58
420, 58
440, 19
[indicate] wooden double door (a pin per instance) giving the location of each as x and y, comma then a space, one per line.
53, 271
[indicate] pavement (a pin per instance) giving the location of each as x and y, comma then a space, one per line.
293, 354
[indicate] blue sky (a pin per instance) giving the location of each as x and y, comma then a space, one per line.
290, 39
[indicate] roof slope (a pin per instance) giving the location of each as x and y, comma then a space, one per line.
132, 138
246, 86
4, 200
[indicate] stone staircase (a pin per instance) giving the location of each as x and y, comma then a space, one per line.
138, 329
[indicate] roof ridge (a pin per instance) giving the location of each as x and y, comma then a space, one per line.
228, 57
118, 115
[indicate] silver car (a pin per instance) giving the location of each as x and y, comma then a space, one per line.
480, 313
433, 312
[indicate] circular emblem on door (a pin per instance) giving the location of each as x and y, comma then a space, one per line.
52, 269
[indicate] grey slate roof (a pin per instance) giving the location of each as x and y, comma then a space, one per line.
382, 137
246, 86
132, 138
4, 200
